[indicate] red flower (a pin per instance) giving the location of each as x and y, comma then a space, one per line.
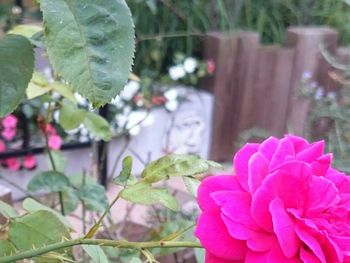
12, 164
211, 66
29, 162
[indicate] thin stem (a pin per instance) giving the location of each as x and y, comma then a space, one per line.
18, 187
99, 242
96, 226
47, 120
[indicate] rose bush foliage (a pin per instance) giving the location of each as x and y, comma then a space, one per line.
284, 204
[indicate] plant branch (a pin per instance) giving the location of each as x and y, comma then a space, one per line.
99, 242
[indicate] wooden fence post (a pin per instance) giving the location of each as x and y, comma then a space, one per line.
233, 54
307, 58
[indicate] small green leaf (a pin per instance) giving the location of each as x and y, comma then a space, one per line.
174, 165
7, 211
32, 206
26, 30
98, 126
97, 37
70, 116
64, 90
77, 180
6, 248
36, 229
125, 177
59, 159
96, 253
50, 181
39, 79
33, 90
191, 184
94, 197
143, 193
16, 69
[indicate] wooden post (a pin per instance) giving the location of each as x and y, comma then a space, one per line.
233, 55
267, 97
306, 41
5, 196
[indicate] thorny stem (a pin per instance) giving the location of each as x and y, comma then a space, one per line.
99, 242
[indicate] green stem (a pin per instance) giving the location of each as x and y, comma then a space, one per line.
100, 242
47, 120
96, 226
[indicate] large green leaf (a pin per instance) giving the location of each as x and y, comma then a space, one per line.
98, 126
36, 230
32, 206
7, 211
50, 180
143, 193
96, 253
70, 116
91, 44
175, 165
16, 69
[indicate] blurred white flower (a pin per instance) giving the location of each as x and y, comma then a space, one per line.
190, 64
84, 138
171, 94
48, 74
177, 72
55, 95
118, 102
56, 116
121, 120
135, 130
307, 75
172, 105
137, 119
319, 94
314, 84
81, 101
130, 90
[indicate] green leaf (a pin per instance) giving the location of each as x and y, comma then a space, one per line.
6, 248
26, 30
7, 211
70, 116
94, 197
70, 200
98, 126
135, 260
96, 253
77, 180
125, 177
16, 69
97, 37
191, 184
174, 165
143, 193
63, 90
33, 90
36, 229
59, 159
32, 206
50, 181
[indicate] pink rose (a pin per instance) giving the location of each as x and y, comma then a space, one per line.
285, 204
12, 164
55, 142
8, 133
29, 162
9, 121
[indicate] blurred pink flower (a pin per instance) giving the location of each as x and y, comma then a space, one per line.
211, 66
50, 129
12, 164
2, 146
55, 142
9, 121
29, 162
8, 133
285, 204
